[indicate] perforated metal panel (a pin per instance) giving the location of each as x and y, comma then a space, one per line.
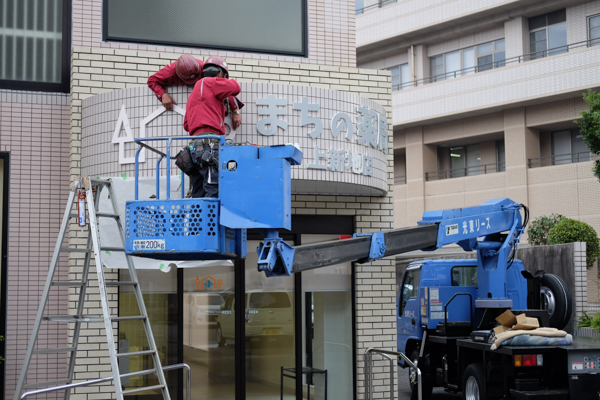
177, 229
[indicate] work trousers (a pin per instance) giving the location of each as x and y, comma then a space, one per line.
206, 182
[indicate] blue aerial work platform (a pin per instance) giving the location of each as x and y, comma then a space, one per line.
254, 193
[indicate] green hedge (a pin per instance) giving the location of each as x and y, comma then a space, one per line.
569, 231
537, 234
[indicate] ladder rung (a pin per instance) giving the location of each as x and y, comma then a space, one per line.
107, 215
120, 283
47, 383
133, 318
74, 250
51, 351
142, 389
75, 283
103, 182
72, 318
136, 353
111, 248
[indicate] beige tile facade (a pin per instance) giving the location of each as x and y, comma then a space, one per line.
34, 131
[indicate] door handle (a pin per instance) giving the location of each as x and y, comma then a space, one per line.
413, 321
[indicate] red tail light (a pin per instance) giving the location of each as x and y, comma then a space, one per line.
529, 360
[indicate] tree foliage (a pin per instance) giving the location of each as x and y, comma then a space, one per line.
587, 321
569, 231
589, 126
537, 234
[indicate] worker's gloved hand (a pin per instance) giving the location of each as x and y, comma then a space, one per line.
167, 101
236, 120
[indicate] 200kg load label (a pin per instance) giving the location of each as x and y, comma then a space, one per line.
158, 244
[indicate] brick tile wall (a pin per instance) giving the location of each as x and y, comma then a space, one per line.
331, 35
34, 129
99, 70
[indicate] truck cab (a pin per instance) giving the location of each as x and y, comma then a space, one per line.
440, 295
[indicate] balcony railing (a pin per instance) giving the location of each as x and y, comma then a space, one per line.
496, 64
467, 171
562, 159
379, 4
400, 180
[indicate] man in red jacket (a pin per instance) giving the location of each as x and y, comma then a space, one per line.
204, 115
186, 71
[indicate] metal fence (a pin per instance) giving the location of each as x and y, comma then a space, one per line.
392, 357
467, 171
496, 64
562, 159
379, 4
400, 180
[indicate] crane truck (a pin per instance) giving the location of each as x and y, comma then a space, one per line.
441, 302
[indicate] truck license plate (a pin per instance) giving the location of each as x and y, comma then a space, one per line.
158, 244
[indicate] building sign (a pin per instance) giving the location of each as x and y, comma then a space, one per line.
344, 136
371, 131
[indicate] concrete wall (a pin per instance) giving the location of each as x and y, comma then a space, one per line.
565, 260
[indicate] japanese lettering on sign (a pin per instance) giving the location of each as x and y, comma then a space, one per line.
370, 131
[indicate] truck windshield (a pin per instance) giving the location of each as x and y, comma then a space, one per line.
409, 287
464, 275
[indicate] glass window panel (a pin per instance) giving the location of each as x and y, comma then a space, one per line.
557, 39
485, 63
561, 147
537, 22
557, 17
468, 56
209, 330
160, 298
327, 301
410, 287
452, 64
499, 45
499, 59
24, 52
395, 77
464, 275
580, 149
457, 161
404, 76
473, 159
538, 35
358, 6
137, 20
437, 67
485, 48
270, 333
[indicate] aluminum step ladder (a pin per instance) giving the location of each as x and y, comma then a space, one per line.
93, 246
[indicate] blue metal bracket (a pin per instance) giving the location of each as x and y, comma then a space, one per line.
275, 257
377, 245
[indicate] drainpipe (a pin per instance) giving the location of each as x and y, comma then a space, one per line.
412, 65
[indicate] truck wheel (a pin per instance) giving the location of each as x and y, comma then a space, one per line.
426, 386
474, 383
220, 338
556, 299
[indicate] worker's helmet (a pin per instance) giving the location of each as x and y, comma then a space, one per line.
219, 62
188, 69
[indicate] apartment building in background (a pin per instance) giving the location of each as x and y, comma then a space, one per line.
484, 98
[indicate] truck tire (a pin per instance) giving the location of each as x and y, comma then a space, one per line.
556, 298
426, 386
473, 384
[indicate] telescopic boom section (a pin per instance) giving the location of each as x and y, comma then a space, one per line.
492, 229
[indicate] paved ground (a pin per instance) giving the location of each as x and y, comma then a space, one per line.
438, 393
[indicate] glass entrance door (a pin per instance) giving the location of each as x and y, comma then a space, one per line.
208, 331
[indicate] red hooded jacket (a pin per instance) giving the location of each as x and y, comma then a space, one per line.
205, 111
168, 76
